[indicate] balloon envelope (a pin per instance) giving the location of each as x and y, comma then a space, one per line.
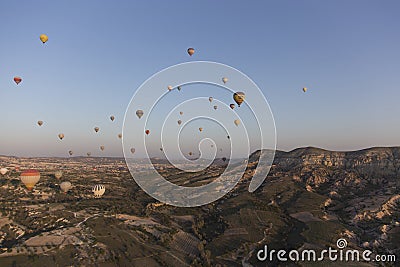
58, 174
239, 97
61, 136
17, 80
102, 148
65, 186
210, 99
237, 122
40, 123
139, 113
112, 118
190, 51
224, 80
44, 38
179, 122
96, 129
232, 106
98, 190
30, 178
215, 107
304, 89
147, 132
133, 150
3, 171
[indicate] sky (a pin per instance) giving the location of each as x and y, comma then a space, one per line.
99, 52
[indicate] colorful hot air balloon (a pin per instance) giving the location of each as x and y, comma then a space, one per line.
179, 122
239, 97
17, 80
120, 136
30, 178
3, 171
232, 106
147, 132
237, 122
133, 150
169, 87
40, 123
61, 136
215, 107
58, 175
139, 113
44, 38
112, 118
304, 89
96, 129
190, 51
224, 80
102, 148
210, 99
200, 129
98, 190
70, 152
65, 186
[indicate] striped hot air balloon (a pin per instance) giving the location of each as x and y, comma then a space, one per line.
98, 190
30, 178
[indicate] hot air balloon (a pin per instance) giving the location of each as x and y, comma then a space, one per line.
190, 51
200, 129
179, 122
170, 87
239, 97
30, 178
224, 80
304, 89
237, 122
120, 136
215, 107
40, 123
17, 80
139, 113
224, 159
210, 99
181, 113
44, 38
88, 154
228, 137
61, 136
112, 118
3, 171
190, 153
58, 174
98, 190
232, 106
102, 148
161, 149
133, 150
147, 132
70, 152
65, 186
179, 88
96, 129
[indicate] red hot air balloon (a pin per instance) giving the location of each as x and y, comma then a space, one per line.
17, 80
147, 132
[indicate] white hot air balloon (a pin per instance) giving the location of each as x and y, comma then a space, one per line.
65, 186
58, 175
98, 190
3, 171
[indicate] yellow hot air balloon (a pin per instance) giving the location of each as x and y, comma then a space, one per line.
224, 80
44, 38
304, 89
30, 178
58, 175
237, 122
239, 97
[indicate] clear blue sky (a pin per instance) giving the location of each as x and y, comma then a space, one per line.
346, 52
